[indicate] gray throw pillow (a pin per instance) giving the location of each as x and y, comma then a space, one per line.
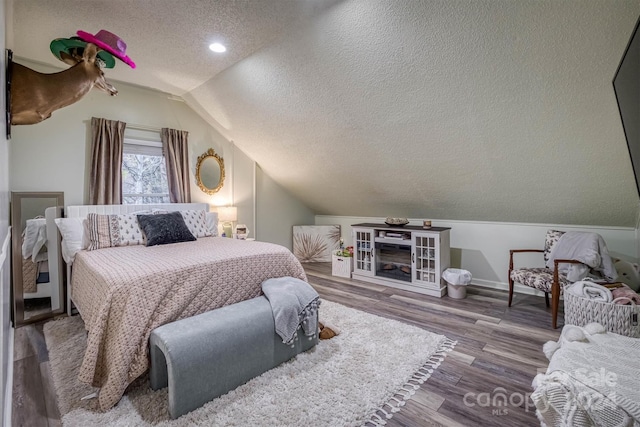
166, 228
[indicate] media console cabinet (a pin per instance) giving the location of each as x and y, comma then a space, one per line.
408, 257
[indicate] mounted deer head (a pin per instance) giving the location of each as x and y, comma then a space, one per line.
34, 96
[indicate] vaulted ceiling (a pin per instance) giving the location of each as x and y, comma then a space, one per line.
466, 109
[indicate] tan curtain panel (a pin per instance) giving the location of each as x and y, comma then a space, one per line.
176, 154
105, 187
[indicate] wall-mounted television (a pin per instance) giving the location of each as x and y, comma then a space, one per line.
626, 84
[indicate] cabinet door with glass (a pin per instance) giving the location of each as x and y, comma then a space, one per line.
363, 251
425, 259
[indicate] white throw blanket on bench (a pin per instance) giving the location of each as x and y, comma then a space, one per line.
295, 304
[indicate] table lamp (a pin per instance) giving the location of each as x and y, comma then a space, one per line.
227, 215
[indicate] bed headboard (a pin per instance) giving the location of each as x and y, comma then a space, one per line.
83, 210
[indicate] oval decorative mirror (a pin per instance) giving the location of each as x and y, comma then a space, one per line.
210, 172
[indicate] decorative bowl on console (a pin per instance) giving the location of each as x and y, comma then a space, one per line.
396, 222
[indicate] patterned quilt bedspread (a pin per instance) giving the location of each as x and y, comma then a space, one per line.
124, 293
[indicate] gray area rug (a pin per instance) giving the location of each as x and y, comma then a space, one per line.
360, 377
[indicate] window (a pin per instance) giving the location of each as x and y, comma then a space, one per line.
144, 175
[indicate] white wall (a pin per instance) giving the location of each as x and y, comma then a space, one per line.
53, 155
243, 189
483, 247
278, 211
6, 358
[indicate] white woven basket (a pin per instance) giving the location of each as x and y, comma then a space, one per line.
616, 318
341, 266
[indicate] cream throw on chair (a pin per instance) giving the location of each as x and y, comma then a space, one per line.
552, 278
588, 248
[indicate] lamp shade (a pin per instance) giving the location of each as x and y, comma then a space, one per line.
228, 213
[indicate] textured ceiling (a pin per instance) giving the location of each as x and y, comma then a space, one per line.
481, 110
167, 39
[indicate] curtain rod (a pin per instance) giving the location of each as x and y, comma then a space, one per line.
136, 127
143, 127
146, 128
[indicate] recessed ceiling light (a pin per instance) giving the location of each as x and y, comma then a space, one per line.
217, 47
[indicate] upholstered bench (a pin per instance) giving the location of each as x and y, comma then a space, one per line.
203, 357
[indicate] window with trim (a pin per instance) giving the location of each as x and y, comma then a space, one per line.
144, 174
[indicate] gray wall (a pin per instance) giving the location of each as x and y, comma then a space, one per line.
278, 211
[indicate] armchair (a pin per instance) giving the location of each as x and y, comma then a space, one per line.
542, 278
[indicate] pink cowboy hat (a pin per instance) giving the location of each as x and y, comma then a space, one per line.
109, 42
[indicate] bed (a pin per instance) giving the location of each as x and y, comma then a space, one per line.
123, 293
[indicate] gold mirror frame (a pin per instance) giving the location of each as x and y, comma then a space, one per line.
201, 159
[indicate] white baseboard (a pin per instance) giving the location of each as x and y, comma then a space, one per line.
8, 392
519, 289
482, 247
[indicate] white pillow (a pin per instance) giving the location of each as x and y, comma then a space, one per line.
85, 236
212, 223
196, 222
72, 230
107, 231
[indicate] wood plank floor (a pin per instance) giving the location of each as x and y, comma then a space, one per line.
34, 398
499, 350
